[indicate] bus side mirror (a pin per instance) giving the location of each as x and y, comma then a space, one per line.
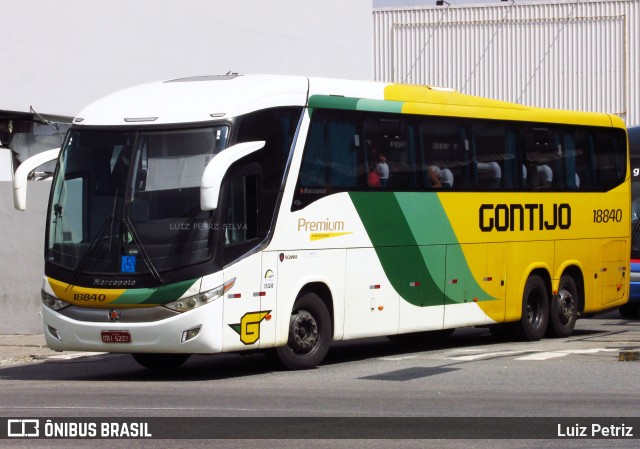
216, 169
21, 175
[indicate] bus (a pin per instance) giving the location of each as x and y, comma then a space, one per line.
632, 308
229, 213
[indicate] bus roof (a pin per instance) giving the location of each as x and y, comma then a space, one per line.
205, 98
194, 99
438, 101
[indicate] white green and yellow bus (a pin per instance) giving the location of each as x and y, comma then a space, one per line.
229, 213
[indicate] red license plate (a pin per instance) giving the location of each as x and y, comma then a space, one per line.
116, 337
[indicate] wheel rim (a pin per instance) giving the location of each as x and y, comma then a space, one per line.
304, 332
566, 305
534, 309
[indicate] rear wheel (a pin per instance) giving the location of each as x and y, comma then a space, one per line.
535, 309
161, 361
310, 334
564, 309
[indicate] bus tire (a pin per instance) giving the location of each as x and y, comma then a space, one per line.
564, 309
161, 362
535, 310
310, 334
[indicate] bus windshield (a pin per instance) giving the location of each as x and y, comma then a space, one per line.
128, 202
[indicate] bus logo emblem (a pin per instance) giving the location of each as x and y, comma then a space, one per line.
249, 326
114, 315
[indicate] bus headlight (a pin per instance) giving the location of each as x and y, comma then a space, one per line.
192, 302
52, 302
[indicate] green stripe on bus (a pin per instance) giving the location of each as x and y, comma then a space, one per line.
134, 296
430, 225
414, 245
160, 295
169, 293
394, 107
393, 240
332, 102
354, 104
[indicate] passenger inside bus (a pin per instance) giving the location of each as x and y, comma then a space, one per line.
373, 179
382, 168
446, 178
440, 177
435, 174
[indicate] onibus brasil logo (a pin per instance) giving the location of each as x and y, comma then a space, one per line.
249, 326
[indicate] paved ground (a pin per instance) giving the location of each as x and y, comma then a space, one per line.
18, 349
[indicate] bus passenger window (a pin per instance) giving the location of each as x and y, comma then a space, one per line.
391, 149
609, 159
571, 176
543, 158
445, 156
330, 155
491, 149
579, 160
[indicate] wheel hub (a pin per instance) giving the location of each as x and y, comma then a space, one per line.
566, 305
304, 332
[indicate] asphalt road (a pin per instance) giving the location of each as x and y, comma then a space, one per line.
468, 375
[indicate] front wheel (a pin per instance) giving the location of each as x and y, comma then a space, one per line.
160, 362
310, 334
564, 309
535, 309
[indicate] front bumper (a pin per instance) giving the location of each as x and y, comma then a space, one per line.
163, 336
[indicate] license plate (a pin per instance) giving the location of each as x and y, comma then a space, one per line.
116, 337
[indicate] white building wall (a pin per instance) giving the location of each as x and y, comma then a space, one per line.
60, 56
581, 55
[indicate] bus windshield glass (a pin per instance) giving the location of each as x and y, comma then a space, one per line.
128, 202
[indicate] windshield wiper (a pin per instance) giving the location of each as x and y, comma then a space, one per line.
108, 220
92, 246
129, 226
145, 257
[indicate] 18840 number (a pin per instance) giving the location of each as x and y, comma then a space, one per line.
607, 215
88, 297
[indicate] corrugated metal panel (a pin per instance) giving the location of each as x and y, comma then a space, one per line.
571, 55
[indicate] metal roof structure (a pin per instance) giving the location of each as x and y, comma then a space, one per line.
580, 55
